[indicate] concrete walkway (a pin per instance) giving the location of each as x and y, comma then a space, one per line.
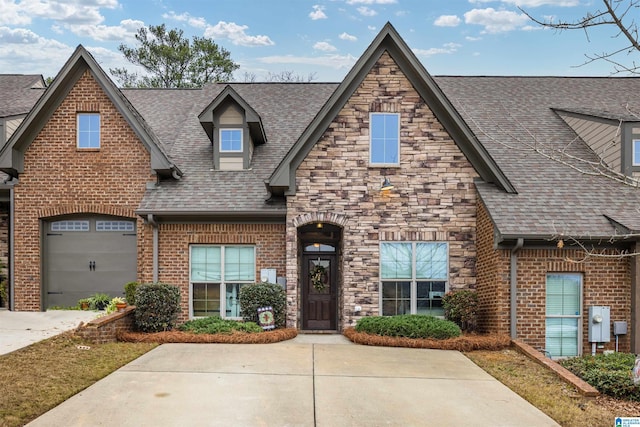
22, 328
313, 380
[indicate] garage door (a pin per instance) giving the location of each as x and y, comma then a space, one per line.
86, 255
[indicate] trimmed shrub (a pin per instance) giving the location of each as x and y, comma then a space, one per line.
408, 326
611, 374
254, 296
157, 307
461, 307
130, 292
218, 325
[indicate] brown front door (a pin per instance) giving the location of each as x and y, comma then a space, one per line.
319, 292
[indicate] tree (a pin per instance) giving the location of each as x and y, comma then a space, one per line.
172, 61
618, 14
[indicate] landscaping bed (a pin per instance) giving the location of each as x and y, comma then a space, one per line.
175, 336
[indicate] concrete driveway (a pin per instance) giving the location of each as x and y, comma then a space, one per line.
21, 328
308, 381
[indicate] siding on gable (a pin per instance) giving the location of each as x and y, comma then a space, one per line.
603, 138
58, 179
11, 126
434, 198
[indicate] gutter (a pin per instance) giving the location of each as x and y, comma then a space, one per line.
10, 261
513, 287
151, 220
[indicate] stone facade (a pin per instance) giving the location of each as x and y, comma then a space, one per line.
434, 198
60, 179
606, 281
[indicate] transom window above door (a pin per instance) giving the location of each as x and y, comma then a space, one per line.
230, 140
384, 131
88, 132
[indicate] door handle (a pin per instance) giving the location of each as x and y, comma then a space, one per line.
92, 266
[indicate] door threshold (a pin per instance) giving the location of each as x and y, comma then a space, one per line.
318, 331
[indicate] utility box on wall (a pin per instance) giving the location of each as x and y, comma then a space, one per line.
599, 324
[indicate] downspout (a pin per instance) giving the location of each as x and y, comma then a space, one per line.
154, 225
12, 293
513, 276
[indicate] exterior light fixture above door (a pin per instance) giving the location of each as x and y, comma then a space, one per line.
386, 184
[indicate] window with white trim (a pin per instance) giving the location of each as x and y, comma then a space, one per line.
217, 272
413, 277
88, 130
563, 313
635, 155
384, 134
230, 140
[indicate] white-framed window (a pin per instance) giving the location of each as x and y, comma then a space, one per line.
635, 155
413, 277
88, 130
230, 140
70, 225
217, 272
115, 226
384, 134
563, 314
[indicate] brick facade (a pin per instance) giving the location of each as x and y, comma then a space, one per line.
175, 239
606, 281
60, 179
434, 198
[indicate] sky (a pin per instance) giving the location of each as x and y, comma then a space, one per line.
316, 39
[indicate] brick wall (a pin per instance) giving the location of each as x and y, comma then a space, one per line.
59, 179
606, 282
434, 198
175, 239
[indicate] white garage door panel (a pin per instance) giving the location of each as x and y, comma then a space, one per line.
79, 264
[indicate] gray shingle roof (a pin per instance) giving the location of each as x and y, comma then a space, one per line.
285, 109
514, 118
18, 93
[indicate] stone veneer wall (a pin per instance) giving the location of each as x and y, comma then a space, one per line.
60, 179
434, 198
175, 239
606, 282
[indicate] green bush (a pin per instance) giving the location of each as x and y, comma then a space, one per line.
218, 325
461, 307
408, 326
252, 297
99, 301
157, 307
611, 374
130, 292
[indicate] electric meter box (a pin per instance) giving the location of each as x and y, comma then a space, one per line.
599, 324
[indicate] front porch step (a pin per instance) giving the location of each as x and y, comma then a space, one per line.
317, 332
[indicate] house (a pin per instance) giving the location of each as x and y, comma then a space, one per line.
486, 178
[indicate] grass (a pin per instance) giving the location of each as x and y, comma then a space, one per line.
37, 378
546, 391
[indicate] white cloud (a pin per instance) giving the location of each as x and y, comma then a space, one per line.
365, 11
533, 3
125, 31
332, 61
236, 33
372, 1
13, 14
325, 47
496, 21
472, 39
17, 47
447, 21
318, 13
446, 48
348, 37
63, 11
197, 22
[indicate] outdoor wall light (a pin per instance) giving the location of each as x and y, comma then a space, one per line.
386, 184
319, 225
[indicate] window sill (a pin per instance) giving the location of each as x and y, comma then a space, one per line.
87, 150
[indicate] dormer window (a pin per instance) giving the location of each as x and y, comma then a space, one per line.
636, 152
231, 140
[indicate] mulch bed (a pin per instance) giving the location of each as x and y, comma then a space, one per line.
189, 337
464, 343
